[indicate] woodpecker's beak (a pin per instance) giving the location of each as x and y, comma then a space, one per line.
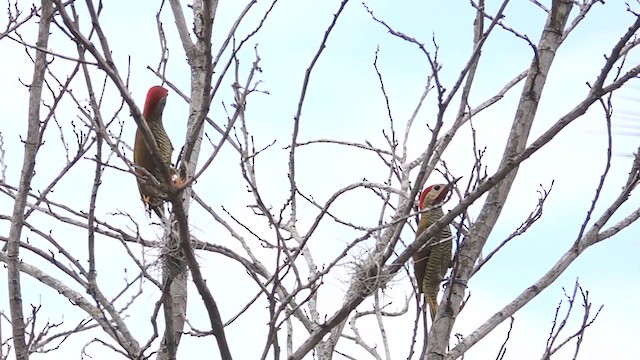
451, 184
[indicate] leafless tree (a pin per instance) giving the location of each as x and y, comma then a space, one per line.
269, 242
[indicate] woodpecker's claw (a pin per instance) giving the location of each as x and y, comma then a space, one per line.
146, 199
177, 180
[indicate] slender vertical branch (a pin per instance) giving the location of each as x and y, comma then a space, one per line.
200, 59
31, 146
296, 119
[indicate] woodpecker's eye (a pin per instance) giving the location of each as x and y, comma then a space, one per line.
437, 187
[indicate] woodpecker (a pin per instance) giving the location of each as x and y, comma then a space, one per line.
432, 261
153, 107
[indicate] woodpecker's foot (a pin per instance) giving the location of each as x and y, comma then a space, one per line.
146, 199
177, 180
153, 203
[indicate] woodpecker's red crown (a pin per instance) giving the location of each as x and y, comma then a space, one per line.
155, 96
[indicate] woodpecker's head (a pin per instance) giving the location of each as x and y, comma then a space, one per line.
435, 194
154, 104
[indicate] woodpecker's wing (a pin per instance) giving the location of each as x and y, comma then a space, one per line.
420, 257
420, 266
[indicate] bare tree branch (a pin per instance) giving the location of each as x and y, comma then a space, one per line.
32, 144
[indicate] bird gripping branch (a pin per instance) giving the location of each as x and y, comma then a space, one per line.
153, 107
432, 261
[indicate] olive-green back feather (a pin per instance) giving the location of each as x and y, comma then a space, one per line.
143, 158
165, 146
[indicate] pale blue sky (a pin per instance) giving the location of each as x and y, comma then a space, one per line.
344, 102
